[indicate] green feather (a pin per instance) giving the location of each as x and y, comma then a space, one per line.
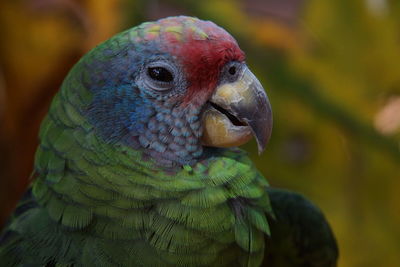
73, 115
215, 219
55, 208
95, 192
258, 219
107, 228
206, 197
77, 217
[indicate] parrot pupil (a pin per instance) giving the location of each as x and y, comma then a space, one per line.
160, 74
232, 70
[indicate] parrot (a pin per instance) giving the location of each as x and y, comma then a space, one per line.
138, 163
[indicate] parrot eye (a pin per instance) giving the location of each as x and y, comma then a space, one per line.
160, 74
232, 70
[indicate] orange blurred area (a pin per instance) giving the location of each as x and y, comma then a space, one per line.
331, 69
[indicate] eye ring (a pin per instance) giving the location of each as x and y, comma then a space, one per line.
231, 71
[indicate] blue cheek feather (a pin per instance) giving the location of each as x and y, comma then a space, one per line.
123, 111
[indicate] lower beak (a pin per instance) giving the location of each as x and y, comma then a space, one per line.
237, 111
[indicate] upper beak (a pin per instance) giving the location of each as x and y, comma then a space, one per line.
246, 100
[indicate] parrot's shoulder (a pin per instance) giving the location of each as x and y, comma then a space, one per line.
301, 235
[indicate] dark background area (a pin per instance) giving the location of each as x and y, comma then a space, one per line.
331, 69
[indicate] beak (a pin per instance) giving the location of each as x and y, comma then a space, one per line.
237, 111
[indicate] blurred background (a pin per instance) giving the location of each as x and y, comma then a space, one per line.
331, 69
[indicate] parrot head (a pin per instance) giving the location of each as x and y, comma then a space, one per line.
172, 88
